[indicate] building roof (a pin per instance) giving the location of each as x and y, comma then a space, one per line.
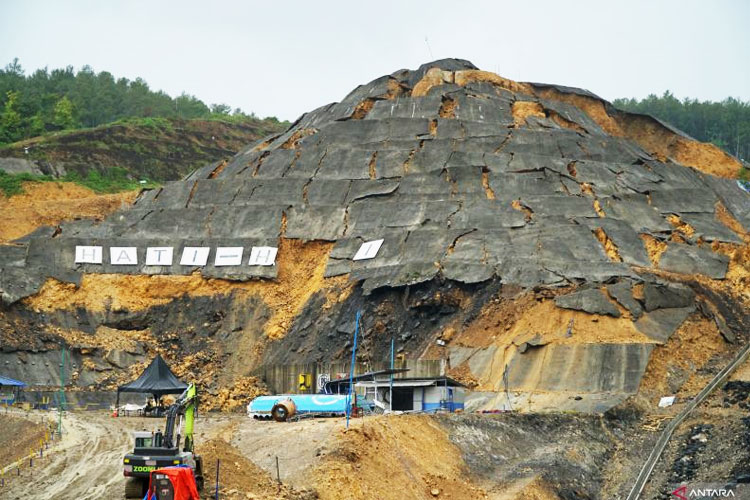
11, 382
412, 382
368, 376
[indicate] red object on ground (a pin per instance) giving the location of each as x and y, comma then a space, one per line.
183, 482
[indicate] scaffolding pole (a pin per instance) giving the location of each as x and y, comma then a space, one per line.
351, 371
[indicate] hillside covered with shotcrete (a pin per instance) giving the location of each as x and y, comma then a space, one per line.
545, 245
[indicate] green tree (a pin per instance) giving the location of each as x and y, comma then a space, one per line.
10, 121
220, 109
62, 98
36, 125
63, 114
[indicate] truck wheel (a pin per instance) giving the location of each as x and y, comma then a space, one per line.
135, 487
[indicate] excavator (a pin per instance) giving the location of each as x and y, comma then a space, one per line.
154, 450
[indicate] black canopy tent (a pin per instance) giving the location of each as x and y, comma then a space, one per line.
156, 379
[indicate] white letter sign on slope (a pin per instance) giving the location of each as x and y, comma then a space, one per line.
228, 256
123, 256
159, 256
263, 256
195, 256
368, 250
88, 255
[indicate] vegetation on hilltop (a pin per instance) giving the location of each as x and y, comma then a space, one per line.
725, 124
63, 99
130, 152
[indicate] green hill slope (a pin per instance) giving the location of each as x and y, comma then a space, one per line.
154, 149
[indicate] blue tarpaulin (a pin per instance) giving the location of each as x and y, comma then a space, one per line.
5, 381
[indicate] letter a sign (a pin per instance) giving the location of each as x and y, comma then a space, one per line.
123, 256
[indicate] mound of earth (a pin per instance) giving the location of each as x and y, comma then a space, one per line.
241, 479
551, 243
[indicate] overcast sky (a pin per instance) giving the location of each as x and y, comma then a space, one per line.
282, 58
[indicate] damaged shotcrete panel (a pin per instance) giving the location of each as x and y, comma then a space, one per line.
475, 184
446, 147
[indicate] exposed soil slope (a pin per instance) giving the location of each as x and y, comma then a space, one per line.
49, 203
18, 437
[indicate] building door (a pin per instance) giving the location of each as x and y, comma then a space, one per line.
403, 398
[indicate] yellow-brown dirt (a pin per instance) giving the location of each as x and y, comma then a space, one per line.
564, 122
738, 273
361, 109
652, 136
523, 109
505, 322
18, 437
412, 452
50, 203
571, 167
462, 373
655, 138
462, 77
496, 317
372, 166
236, 397
598, 208
436, 76
216, 171
722, 215
488, 192
300, 274
551, 323
689, 348
239, 478
518, 205
263, 145
742, 373
654, 248
532, 488
394, 89
447, 108
432, 78
680, 225
433, 127
104, 337
609, 246
592, 107
296, 137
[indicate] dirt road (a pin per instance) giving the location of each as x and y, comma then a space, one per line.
86, 464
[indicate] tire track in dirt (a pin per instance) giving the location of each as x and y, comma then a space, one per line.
86, 464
